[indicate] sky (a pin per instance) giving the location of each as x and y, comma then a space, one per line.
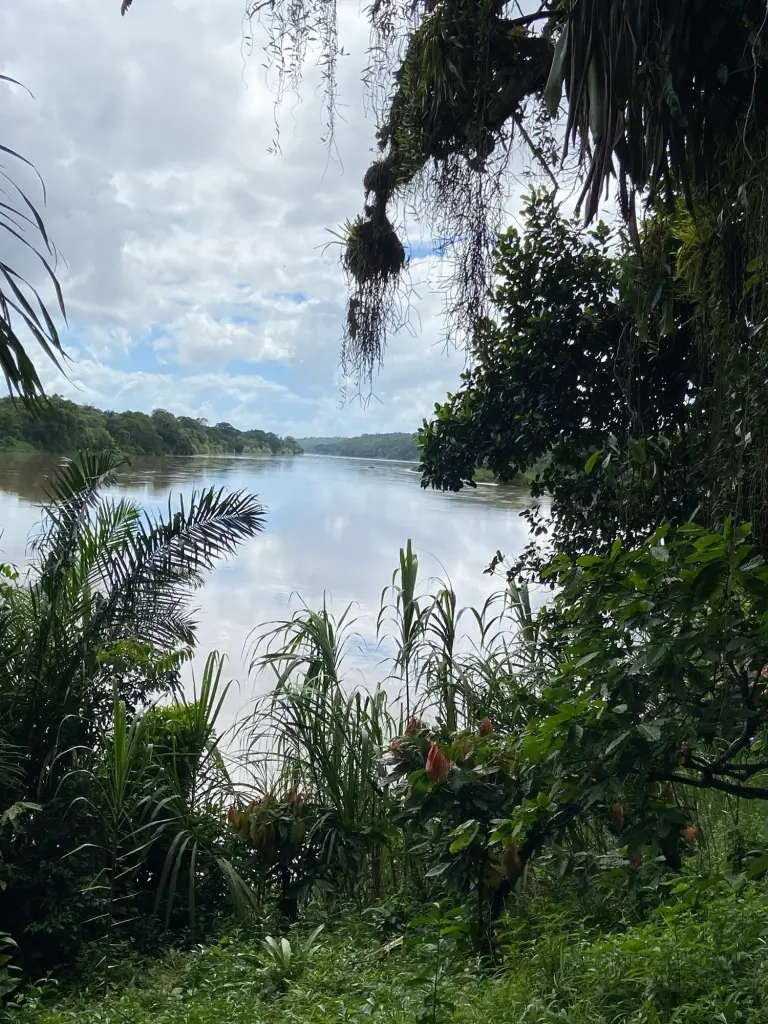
198, 273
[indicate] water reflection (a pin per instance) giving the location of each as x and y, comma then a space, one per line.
334, 526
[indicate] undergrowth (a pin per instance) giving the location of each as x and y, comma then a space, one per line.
690, 962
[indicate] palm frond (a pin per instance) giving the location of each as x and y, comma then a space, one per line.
21, 302
107, 602
149, 578
11, 769
646, 100
72, 493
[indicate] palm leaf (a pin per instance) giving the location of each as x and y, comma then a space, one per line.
73, 493
20, 302
147, 581
107, 578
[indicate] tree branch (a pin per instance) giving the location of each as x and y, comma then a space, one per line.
535, 149
528, 19
733, 788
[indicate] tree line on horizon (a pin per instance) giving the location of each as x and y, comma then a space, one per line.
60, 426
395, 446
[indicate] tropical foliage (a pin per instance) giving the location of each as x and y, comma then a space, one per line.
575, 794
63, 427
398, 446
558, 962
98, 627
566, 787
24, 316
604, 417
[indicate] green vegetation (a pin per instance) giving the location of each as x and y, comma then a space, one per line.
557, 816
562, 819
401, 447
553, 964
24, 316
585, 810
546, 395
95, 796
63, 427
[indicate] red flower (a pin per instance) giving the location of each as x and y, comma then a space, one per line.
691, 834
414, 725
397, 749
486, 727
635, 863
437, 763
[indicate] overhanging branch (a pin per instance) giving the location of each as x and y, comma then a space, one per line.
721, 785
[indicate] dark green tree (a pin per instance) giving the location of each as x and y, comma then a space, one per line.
562, 378
63, 427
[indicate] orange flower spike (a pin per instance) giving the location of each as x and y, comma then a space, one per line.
617, 817
486, 727
414, 725
437, 763
512, 863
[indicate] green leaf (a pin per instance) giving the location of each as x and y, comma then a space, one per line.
649, 730
437, 870
617, 742
753, 563
592, 461
588, 659
637, 449
757, 866
465, 836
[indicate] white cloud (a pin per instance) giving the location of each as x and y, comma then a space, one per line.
196, 337
214, 395
197, 259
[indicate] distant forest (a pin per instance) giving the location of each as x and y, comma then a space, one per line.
62, 426
367, 446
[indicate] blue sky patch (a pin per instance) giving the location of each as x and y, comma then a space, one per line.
297, 297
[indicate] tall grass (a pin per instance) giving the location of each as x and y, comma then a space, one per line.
453, 673
312, 736
316, 732
402, 608
317, 729
157, 787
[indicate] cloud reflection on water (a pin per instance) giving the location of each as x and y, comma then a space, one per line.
334, 528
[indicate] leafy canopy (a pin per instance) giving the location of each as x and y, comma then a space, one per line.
562, 372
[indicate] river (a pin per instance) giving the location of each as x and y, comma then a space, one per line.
334, 527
